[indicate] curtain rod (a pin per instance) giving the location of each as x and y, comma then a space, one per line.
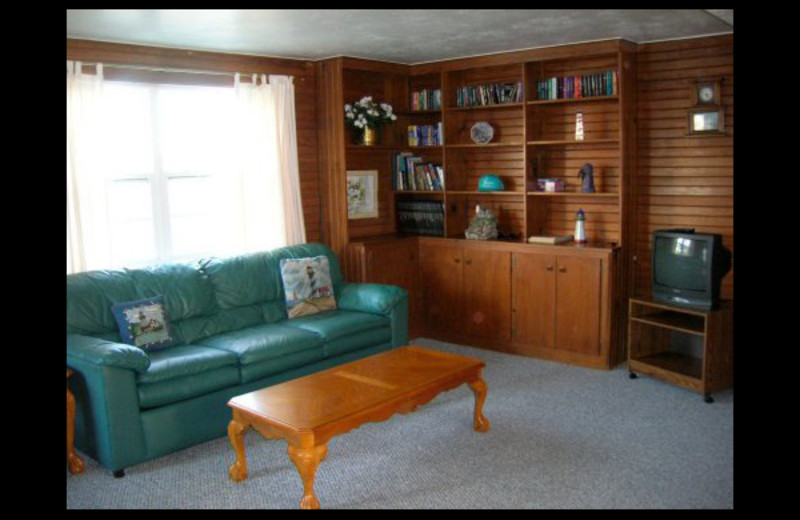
174, 70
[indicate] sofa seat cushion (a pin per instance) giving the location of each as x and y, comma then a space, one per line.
185, 360
336, 324
152, 395
262, 342
358, 341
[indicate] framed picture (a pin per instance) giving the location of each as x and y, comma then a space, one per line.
362, 194
707, 121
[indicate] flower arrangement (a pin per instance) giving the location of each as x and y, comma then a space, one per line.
366, 113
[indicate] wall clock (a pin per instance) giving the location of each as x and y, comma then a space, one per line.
706, 93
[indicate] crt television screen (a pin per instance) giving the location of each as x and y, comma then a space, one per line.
682, 263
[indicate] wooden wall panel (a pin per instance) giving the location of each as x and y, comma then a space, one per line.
682, 181
305, 81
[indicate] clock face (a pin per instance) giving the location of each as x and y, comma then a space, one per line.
705, 93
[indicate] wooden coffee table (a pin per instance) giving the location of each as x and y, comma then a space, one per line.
311, 410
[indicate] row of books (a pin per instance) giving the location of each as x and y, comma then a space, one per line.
426, 99
492, 94
426, 135
421, 217
409, 173
573, 87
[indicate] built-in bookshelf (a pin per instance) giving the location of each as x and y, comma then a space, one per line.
532, 105
533, 138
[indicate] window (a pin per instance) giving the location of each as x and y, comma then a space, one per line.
159, 174
167, 155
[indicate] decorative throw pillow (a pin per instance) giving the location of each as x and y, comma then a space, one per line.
144, 324
307, 285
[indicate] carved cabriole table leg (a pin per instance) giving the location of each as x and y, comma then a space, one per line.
478, 386
75, 462
307, 456
237, 428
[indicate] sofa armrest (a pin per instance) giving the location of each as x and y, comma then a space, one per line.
107, 353
370, 297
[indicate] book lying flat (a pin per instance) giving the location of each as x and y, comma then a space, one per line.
547, 239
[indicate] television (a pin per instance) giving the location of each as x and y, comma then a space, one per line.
688, 268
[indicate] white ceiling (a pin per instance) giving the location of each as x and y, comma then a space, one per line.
403, 36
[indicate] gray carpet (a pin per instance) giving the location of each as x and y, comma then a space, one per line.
561, 437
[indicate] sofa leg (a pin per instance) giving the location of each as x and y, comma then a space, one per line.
119, 473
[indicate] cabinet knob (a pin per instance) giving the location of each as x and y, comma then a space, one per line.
549, 267
468, 261
457, 260
562, 269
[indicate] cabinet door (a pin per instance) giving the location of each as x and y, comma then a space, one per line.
578, 304
534, 314
442, 277
398, 264
487, 293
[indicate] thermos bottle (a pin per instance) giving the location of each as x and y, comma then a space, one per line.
580, 228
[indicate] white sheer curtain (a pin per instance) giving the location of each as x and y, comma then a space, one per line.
268, 145
251, 203
84, 107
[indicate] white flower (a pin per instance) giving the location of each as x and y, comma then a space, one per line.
392, 117
348, 107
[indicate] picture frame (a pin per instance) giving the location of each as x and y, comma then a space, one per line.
707, 121
362, 194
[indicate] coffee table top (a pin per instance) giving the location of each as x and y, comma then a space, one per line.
339, 392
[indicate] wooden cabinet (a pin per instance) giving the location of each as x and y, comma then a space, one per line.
578, 302
657, 345
467, 290
442, 288
557, 303
534, 310
392, 262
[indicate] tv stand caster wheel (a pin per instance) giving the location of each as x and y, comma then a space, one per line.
120, 473
632, 375
707, 398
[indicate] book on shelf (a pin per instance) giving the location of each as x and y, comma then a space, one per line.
577, 87
426, 100
490, 94
421, 217
410, 173
425, 135
549, 239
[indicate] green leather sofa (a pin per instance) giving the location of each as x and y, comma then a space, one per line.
230, 317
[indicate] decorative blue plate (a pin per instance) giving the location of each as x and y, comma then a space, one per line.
481, 132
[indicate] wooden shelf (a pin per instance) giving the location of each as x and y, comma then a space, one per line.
497, 193
601, 195
689, 323
487, 145
668, 363
485, 107
418, 192
573, 100
363, 148
568, 142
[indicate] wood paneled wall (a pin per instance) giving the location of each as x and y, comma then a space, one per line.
305, 81
682, 181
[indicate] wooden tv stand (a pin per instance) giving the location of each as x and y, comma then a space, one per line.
651, 326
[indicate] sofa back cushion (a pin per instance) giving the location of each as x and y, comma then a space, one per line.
255, 279
90, 296
216, 295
